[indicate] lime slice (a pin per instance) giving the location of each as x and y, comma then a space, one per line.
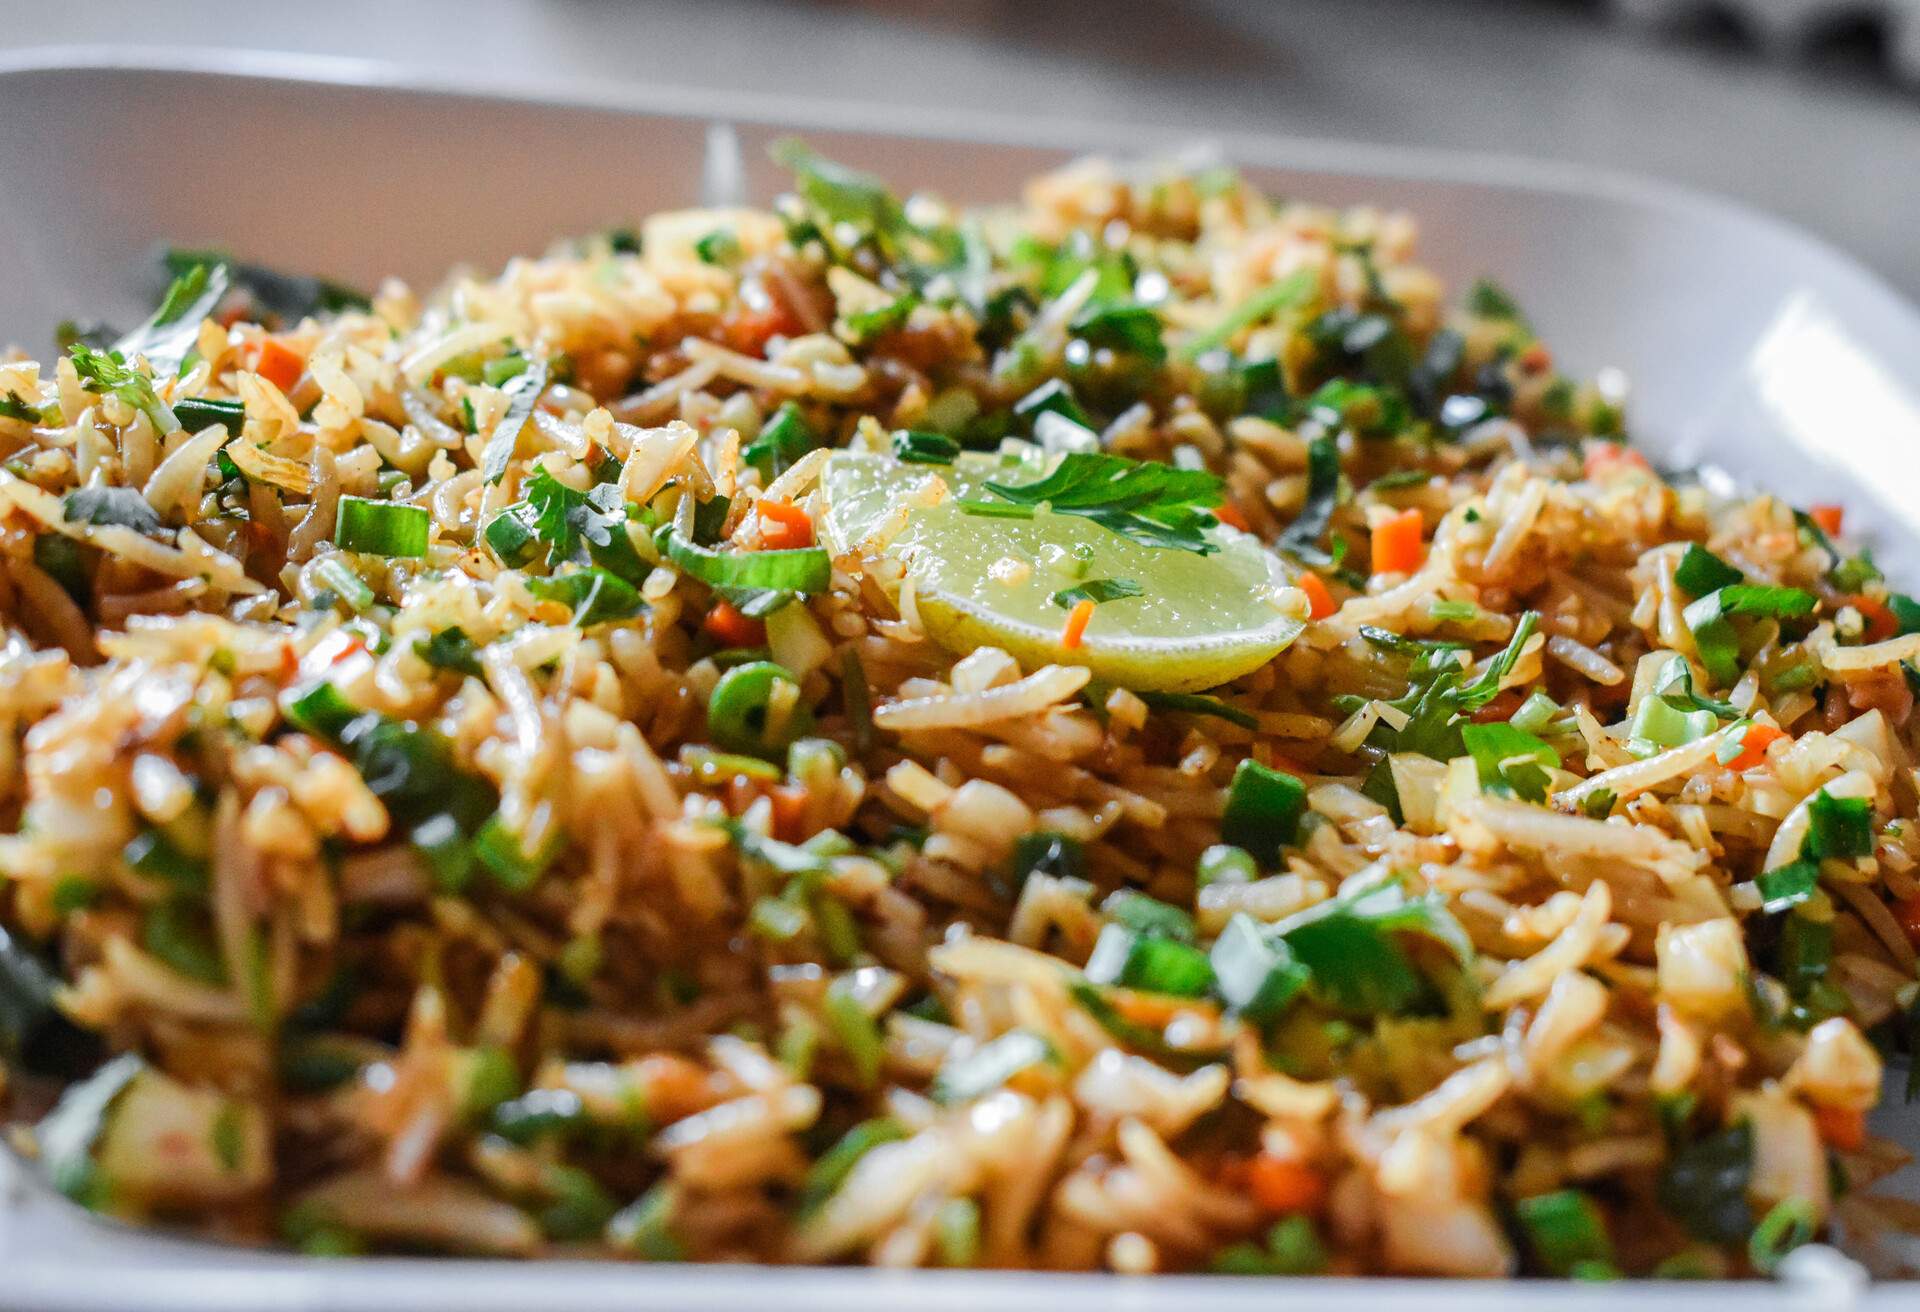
981, 580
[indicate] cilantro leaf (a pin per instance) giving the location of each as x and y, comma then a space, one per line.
1301, 538
1096, 591
169, 334
107, 373
1156, 505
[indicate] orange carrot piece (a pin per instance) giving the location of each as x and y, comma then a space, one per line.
783, 525
1320, 602
1397, 544
727, 626
1881, 623
1230, 514
279, 364
1829, 518
1844, 1128
1753, 746
1281, 1185
1077, 620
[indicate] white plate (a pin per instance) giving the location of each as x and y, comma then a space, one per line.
1750, 346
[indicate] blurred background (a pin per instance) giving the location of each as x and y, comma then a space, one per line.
1809, 109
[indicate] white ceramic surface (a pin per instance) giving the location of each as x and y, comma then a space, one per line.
1751, 348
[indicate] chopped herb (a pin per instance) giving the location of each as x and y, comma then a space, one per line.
1290, 291
450, 649
916, 447
783, 439
1044, 852
1838, 827
828, 1173
197, 414
868, 325
1121, 326
1704, 1186
1097, 591
107, 374
720, 247
169, 335
381, 528
1153, 504
1052, 397
286, 296
1140, 960
12, 406
1565, 1230
1511, 762
1710, 619
1787, 1225
805, 570
1301, 538
1263, 810
1194, 703
1348, 943
1254, 973
594, 595
1788, 885
522, 393
757, 709
123, 506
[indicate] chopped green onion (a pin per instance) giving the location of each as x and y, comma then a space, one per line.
828, 1173
1052, 397
522, 393
916, 447
1535, 713
1194, 703
1263, 304
340, 579
594, 595
538, 1113
1790, 1223
1906, 612
499, 849
1788, 885
1148, 915
1156, 965
989, 1066
777, 920
381, 528
151, 853
757, 709
1701, 572
1255, 975
1710, 620
1223, 863
1838, 827
805, 570
1122, 326
1598, 804
450, 649
1565, 1229
644, 1227
1263, 810
1511, 762
197, 414
1659, 722
856, 1029
1442, 611
1045, 852
783, 439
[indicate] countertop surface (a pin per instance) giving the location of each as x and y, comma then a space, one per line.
1831, 143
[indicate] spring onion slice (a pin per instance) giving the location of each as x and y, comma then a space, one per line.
522, 391
805, 570
381, 528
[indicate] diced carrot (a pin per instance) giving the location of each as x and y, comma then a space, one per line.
1320, 602
1230, 514
1535, 358
1844, 1128
1397, 544
353, 646
1281, 1185
1881, 623
1753, 746
1277, 761
727, 626
1829, 518
783, 525
1604, 457
1907, 912
1076, 626
278, 363
789, 812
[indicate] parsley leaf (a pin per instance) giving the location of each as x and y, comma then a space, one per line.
1156, 505
107, 373
1096, 591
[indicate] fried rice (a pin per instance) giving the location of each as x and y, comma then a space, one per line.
464, 789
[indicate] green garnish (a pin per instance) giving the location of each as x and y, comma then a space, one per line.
594, 595
167, 337
1097, 591
381, 528
1701, 572
987, 1067
522, 393
741, 714
1263, 810
802, 570
123, 506
916, 447
1565, 1230
107, 373
833, 1167
1263, 304
1714, 636
1511, 762
1151, 503
1838, 827
783, 439
1255, 974
197, 414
